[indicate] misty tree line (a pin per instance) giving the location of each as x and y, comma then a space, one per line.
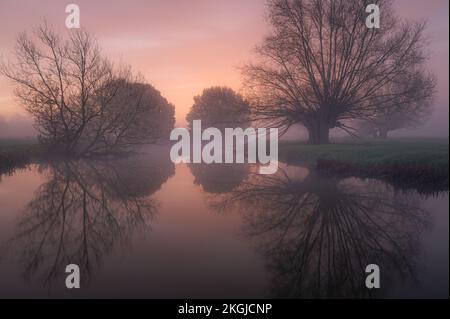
319, 67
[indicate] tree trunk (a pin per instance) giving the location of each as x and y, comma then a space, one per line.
319, 132
383, 134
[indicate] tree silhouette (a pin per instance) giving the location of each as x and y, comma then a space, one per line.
404, 110
321, 66
219, 107
80, 102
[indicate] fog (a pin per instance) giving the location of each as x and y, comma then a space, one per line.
21, 126
18, 126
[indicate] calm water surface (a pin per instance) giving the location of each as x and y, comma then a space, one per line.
142, 227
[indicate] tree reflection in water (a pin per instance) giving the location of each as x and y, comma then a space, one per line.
219, 178
317, 234
84, 210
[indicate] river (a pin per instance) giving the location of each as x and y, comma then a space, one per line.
144, 227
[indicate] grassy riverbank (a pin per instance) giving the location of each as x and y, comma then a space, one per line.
421, 163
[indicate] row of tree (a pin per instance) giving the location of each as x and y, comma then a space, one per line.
320, 67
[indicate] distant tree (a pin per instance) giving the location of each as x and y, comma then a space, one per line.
139, 111
219, 107
321, 66
80, 102
404, 111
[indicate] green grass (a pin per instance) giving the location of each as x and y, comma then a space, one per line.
401, 150
417, 162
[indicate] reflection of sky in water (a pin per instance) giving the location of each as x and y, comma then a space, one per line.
188, 247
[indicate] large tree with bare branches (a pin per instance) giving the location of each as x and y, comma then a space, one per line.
321, 66
82, 104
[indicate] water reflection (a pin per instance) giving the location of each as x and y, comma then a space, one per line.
83, 211
317, 234
314, 235
219, 178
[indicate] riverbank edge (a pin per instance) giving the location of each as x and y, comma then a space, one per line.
407, 164
420, 165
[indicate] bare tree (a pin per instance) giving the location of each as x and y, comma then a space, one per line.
321, 66
219, 107
81, 103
